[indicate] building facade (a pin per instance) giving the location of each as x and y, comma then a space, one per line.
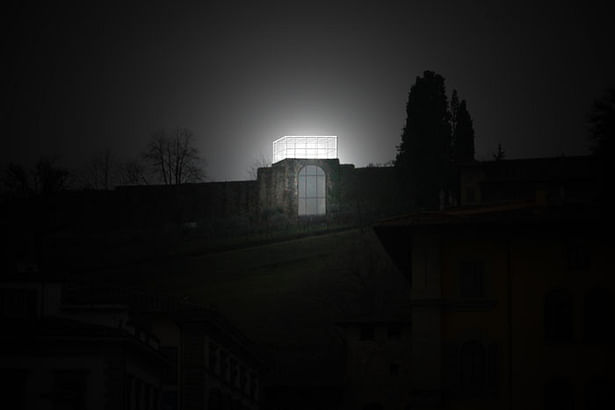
306, 180
512, 306
83, 348
52, 358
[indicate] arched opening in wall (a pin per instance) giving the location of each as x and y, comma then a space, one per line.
558, 395
215, 399
473, 368
598, 394
311, 191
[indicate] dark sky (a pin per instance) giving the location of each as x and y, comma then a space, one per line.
82, 79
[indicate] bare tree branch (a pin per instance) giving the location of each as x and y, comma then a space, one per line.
175, 158
259, 162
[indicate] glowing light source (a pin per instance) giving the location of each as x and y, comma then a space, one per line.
319, 147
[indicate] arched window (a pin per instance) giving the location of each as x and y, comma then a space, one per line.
598, 394
558, 395
215, 399
558, 320
312, 189
473, 368
472, 278
598, 315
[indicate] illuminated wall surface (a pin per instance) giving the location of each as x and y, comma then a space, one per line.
318, 147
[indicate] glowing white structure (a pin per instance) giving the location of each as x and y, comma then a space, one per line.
319, 147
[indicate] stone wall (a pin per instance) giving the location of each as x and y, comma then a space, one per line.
352, 194
277, 185
181, 204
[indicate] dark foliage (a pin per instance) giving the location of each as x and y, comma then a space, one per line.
434, 138
175, 157
500, 154
46, 178
463, 132
602, 125
423, 157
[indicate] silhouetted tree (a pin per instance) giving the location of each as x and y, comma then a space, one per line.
454, 109
463, 131
99, 172
46, 178
174, 157
500, 154
602, 125
462, 143
132, 172
50, 178
602, 136
259, 162
424, 155
16, 180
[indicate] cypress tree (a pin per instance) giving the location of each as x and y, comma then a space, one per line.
423, 157
463, 133
454, 109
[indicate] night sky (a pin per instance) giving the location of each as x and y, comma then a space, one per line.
83, 78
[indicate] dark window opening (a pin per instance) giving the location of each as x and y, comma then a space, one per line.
578, 256
18, 303
598, 317
470, 196
472, 279
558, 320
367, 333
170, 374
147, 390
213, 358
215, 400
473, 368
598, 394
128, 397
493, 372
13, 382
224, 366
254, 387
243, 378
69, 389
394, 332
156, 399
137, 402
234, 374
558, 395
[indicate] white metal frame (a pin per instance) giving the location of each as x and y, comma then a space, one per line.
295, 146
